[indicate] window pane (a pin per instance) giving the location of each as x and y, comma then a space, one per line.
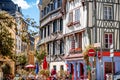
110, 41
61, 67
110, 35
108, 12
106, 45
54, 67
61, 24
70, 17
77, 15
106, 40
106, 35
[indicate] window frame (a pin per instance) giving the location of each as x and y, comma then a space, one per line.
70, 19
76, 15
106, 13
107, 43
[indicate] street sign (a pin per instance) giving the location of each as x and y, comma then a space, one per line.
91, 52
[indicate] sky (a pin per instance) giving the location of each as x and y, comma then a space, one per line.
29, 8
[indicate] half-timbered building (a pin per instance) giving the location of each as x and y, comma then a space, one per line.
103, 26
51, 32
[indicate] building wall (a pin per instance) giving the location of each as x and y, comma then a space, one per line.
104, 25
51, 32
36, 42
81, 27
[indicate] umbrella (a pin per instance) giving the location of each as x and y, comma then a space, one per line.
30, 66
45, 64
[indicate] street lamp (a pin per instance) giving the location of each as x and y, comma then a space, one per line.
112, 56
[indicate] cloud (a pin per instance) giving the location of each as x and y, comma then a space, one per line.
37, 1
34, 4
22, 3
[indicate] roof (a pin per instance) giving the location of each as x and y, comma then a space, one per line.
5, 0
9, 6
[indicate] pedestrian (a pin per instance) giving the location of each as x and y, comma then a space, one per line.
54, 74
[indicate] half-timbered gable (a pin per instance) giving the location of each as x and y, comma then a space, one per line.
103, 18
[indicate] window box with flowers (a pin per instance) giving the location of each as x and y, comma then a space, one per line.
72, 51
78, 50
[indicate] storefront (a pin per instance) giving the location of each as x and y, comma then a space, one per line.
104, 67
76, 66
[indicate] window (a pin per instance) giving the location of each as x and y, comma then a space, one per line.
72, 43
53, 48
61, 47
59, 3
70, 17
77, 15
48, 48
19, 44
45, 11
108, 12
55, 26
47, 8
78, 40
41, 33
54, 67
108, 39
45, 32
51, 7
108, 67
55, 4
48, 30
61, 24
61, 67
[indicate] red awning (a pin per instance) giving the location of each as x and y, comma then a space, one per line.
105, 53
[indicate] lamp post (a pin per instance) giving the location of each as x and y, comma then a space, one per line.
112, 56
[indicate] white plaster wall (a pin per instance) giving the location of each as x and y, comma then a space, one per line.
83, 24
58, 64
83, 17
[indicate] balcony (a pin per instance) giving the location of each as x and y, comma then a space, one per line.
75, 51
